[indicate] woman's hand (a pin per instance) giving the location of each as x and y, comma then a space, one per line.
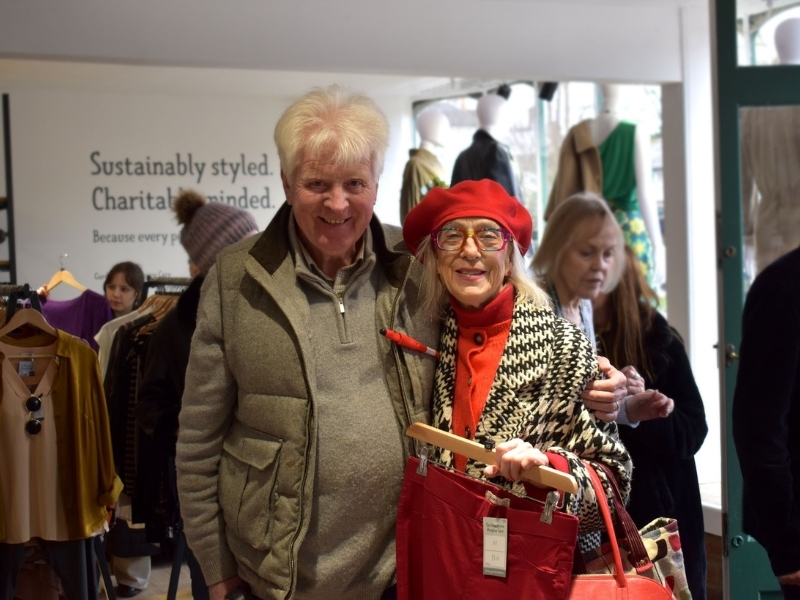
514, 457
634, 381
650, 404
605, 396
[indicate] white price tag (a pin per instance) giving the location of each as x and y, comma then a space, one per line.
495, 546
25, 368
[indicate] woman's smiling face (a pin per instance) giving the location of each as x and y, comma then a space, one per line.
473, 277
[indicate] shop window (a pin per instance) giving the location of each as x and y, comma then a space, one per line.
756, 25
535, 130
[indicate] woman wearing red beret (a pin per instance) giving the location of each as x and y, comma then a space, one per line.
510, 370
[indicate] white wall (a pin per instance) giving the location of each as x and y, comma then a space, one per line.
60, 199
690, 233
701, 227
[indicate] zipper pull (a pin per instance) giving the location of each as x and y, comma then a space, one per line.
549, 505
341, 304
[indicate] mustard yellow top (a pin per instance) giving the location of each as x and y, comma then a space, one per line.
86, 474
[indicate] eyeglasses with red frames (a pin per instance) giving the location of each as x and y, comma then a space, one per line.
488, 239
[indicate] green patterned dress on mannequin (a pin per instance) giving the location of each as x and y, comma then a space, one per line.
617, 154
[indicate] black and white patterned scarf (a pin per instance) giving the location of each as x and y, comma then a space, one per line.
536, 396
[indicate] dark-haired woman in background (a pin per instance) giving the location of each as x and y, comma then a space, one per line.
633, 333
123, 287
130, 556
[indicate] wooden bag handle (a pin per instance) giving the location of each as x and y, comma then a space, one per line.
541, 476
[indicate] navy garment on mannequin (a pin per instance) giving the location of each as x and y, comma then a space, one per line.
486, 158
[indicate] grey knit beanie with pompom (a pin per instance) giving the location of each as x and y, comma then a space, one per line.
208, 227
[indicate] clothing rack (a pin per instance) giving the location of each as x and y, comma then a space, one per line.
96, 543
6, 290
10, 292
163, 282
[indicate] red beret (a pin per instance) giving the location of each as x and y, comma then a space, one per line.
485, 199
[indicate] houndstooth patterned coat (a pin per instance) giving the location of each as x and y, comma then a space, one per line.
545, 365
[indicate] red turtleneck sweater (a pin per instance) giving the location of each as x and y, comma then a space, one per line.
482, 336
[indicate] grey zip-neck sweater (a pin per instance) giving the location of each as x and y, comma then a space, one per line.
349, 550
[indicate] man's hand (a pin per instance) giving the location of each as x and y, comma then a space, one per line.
790, 579
218, 591
650, 404
605, 396
514, 457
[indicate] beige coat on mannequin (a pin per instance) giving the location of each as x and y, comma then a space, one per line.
423, 169
770, 177
580, 169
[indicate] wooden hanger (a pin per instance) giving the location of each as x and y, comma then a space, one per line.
63, 276
159, 305
541, 476
28, 316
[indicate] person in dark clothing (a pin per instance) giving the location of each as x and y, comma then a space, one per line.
632, 332
208, 228
766, 417
486, 157
165, 367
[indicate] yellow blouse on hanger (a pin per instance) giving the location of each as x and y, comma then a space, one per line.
84, 460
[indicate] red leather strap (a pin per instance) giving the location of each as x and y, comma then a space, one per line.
602, 504
627, 529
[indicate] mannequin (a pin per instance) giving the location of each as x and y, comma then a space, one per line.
770, 178
488, 158
491, 114
433, 128
787, 42
592, 160
423, 170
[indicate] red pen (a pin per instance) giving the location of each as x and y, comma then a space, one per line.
407, 342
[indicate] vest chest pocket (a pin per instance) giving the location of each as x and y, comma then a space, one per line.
247, 474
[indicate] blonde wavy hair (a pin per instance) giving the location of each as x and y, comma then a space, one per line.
560, 235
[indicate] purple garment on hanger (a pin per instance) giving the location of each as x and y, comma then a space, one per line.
82, 316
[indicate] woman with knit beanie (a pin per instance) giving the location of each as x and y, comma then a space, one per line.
510, 371
207, 229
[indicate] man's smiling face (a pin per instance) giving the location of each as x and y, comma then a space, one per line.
332, 206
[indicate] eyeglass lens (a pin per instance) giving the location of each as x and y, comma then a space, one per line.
452, 238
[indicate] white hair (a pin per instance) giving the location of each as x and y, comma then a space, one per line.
342, 126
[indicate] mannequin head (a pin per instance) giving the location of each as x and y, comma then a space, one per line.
490, 112
433, 127
787, 42
611, 94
